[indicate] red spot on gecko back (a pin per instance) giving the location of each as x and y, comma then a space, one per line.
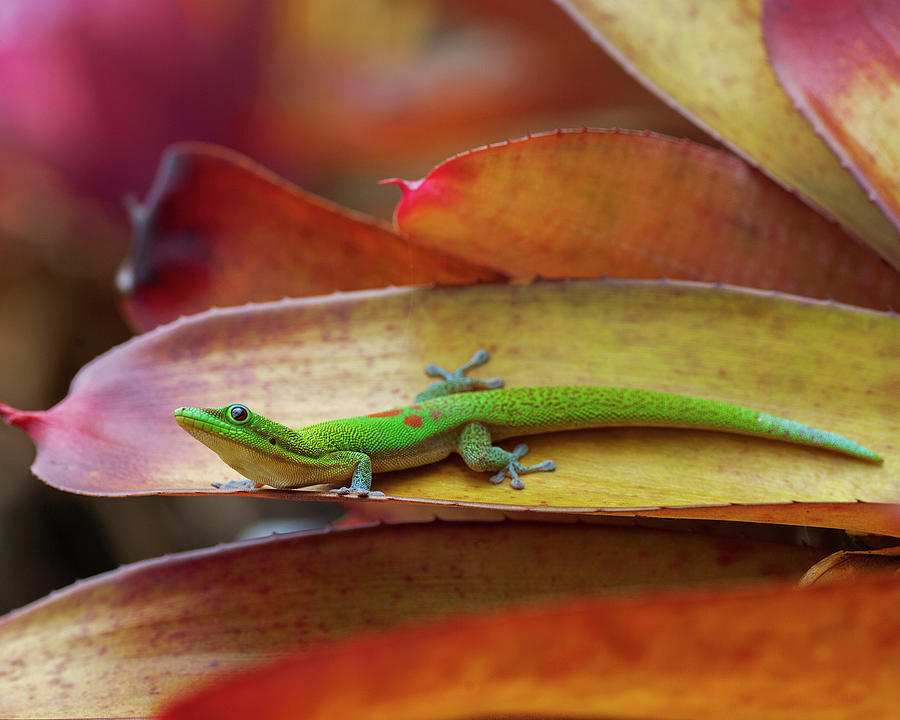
413, 420
386, 413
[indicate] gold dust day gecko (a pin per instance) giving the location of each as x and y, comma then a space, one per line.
464, 415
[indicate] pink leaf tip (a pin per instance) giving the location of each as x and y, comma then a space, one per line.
22, 419
406, 186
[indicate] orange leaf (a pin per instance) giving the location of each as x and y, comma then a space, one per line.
121, 643
304, 361
830, 651
593, 203
840, 62
219, 230
709, 58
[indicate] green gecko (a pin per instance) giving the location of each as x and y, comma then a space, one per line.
464, 415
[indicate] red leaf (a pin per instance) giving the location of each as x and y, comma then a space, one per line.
839, 60
219, 230
709, 58
593, 203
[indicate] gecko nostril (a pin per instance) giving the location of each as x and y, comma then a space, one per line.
272, 440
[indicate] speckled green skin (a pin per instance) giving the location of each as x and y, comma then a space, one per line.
458, 415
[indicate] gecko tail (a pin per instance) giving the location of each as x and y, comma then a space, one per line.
782, 428
519, 411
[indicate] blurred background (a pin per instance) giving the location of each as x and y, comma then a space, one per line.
332, 94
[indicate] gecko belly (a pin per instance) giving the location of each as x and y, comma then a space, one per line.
421, 453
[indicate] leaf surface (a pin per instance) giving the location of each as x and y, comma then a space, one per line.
840, 63
777, 652
304, 361
122, 643
710, 60
219, 230
594, 203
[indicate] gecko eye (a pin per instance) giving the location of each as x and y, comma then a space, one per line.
238, 413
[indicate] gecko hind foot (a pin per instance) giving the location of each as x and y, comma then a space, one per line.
362, 492
515, 468
456, 381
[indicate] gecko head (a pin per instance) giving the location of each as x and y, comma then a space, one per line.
260, 449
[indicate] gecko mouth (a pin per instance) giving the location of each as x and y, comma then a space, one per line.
228, 440
254, 454
230, 443
216, 433
199, 422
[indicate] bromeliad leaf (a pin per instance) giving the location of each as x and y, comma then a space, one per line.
304, 361
219, 230
709, 58
623, 204
838, 61
141, 634
829, 651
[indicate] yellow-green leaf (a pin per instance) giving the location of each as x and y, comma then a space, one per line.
302, 361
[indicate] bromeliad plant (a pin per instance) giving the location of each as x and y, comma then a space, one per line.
507, 247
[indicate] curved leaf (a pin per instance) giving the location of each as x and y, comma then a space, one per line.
840, 63
122, 643
303, 361
829, 651
709, 58
219, 230
593, 203
850, 566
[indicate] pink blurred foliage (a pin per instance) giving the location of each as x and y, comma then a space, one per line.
97, 88
329, 93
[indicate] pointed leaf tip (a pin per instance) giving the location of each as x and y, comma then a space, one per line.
406, 186
21, 419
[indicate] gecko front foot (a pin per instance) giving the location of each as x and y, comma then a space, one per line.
242, 484
457, 382
514, 468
